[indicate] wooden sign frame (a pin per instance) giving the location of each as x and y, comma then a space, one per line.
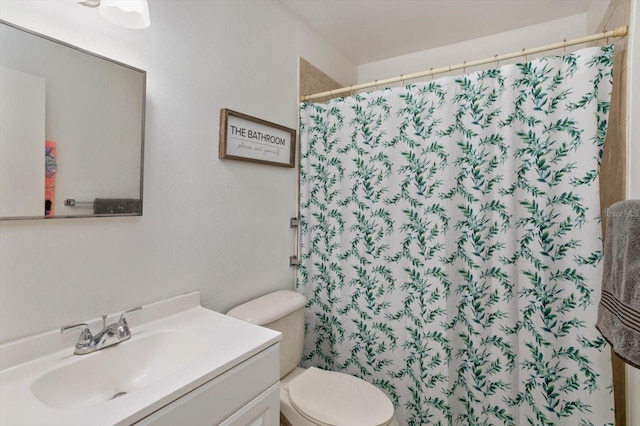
251, 139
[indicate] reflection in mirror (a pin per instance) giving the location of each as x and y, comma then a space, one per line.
71, 130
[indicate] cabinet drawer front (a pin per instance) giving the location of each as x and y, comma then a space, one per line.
262, 411
222, 396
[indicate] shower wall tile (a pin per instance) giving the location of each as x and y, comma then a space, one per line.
620, 13
607, 18
312, 80
613, 172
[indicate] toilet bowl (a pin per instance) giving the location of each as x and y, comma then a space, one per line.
310, 397
313, 397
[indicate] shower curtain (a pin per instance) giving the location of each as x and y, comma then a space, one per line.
451, 243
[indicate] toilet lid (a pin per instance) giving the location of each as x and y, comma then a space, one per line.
339, 399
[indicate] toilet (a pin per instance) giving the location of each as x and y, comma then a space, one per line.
312, 397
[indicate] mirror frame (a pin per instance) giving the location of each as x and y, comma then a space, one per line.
142, 132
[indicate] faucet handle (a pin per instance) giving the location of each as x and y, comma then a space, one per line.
123, 331
85, 336
122, 315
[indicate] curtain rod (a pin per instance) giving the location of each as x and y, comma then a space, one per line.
618, 32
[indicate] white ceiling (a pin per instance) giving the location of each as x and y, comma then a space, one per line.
370, 30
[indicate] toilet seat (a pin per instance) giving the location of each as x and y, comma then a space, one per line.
336, 399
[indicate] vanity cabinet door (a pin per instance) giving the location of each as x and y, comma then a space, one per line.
262, 411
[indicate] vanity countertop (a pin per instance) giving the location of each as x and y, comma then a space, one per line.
176, 346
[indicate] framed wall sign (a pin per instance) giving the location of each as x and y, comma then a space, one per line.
247, 138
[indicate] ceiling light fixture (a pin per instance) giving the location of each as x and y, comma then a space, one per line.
132, 14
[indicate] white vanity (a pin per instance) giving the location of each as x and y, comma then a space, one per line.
183, 365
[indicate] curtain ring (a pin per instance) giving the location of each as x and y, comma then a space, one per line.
497, 61
431, 73
351, 90
376, 83
401, 80
564, 46
524, 55
464, 67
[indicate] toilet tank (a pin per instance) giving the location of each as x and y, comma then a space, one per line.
282, 311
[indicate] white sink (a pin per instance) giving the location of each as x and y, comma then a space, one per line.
118, 370
176, 346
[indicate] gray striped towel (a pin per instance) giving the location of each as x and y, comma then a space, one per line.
619, 310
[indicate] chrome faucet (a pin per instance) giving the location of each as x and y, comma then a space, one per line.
109, 335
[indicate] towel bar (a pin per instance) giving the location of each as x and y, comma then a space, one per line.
70, 202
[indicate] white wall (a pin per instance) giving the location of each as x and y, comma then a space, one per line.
479, 48
218, 226
633, 184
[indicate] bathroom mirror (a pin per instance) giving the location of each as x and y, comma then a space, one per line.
71, 130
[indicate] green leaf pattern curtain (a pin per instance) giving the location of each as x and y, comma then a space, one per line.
451, 243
